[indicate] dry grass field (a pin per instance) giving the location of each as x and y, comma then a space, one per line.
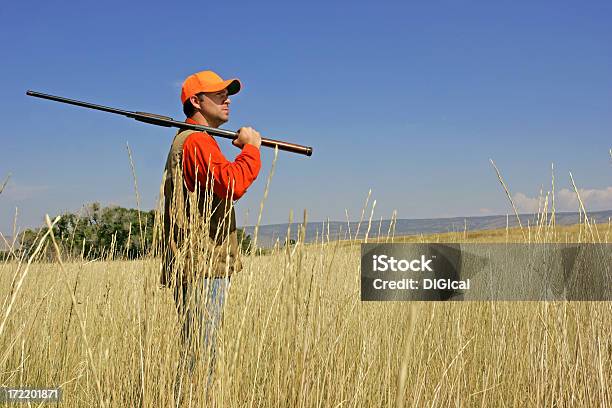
296, 334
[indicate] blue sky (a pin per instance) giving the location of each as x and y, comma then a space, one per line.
408, 99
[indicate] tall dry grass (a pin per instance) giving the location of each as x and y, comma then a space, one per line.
295, 334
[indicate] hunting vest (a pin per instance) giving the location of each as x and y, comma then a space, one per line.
200, 237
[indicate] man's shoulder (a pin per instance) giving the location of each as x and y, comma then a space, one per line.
199, 140
196, 136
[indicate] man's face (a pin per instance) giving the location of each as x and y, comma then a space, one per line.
215, 107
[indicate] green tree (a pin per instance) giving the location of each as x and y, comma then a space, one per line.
96, 230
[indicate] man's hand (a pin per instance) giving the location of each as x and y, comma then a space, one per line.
247, 135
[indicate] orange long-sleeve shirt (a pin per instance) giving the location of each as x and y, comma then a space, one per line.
201, 151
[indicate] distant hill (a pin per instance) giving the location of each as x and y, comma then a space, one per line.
268, 234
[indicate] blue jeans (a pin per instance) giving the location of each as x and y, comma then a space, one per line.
200, 308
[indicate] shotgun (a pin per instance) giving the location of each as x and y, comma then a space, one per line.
166, 121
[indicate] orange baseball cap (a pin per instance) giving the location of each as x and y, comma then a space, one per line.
208, 81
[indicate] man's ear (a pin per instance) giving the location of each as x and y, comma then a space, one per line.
195, 101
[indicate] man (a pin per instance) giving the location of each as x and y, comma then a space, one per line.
200, 246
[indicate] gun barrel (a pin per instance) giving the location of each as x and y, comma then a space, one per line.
77, 103
166, 121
